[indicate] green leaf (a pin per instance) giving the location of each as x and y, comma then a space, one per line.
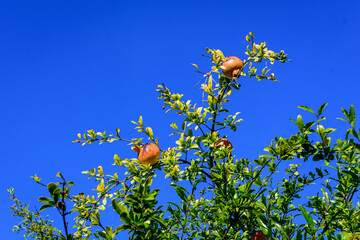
321, 109
160, 221
45, 206
352, 112
36, 178
307, 109
174, 204
181, 192
52, 187
102, 234
56, 195
352, 116
345, 236
346, 113
120, 228
122, 210
308, 218
353, 132
278, 226
329, 234
262, 222
342, 119
299, 235
309, 125
116, 159
118, 207
44, 200
300, 121
325, 194
149, 132
174, 126
351, 175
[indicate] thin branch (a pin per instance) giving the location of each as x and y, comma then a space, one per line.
203, 55
208, 175
221, 95
197, 124
63, 208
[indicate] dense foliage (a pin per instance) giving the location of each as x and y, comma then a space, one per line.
222, 197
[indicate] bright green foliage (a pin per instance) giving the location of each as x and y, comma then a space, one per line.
32, 223
222, 197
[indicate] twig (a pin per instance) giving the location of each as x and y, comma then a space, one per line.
203, 55
208, 175
63, 208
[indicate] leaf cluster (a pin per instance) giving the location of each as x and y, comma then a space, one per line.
221, 196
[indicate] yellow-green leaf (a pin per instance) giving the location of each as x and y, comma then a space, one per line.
100, 170
195, 66
101, 186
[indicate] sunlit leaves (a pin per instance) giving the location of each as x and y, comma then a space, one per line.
220, 193
309, 220
307, 109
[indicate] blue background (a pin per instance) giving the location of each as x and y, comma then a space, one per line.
70, 66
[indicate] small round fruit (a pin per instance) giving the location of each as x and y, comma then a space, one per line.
148, 154
232, 65
259, 235
224, 142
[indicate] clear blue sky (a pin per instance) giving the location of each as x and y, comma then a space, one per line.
70, 66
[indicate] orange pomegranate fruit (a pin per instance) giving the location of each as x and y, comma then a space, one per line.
224, 142
232, 66
148, 154
259, 235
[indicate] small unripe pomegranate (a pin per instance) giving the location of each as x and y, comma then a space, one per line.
224, 142
259, 235
232, 65
148, 154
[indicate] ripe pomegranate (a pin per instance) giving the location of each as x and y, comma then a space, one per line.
233, 65
224, 142
148, 154
259, 235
